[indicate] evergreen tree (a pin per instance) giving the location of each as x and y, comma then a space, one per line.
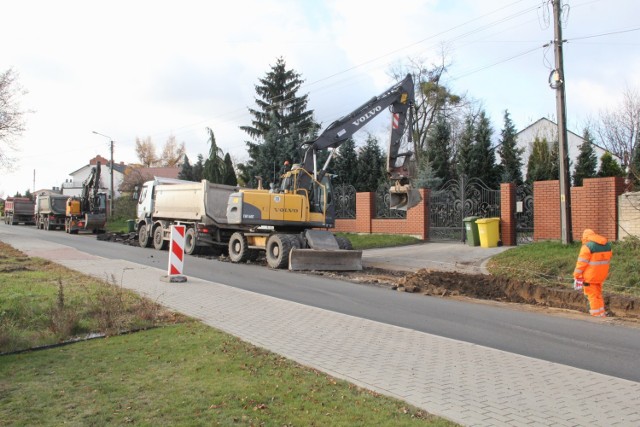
465, 148
510, 154
539, 164
230, 177
345, 164
634, 168
438, 151
426, 176
279, 125
371, 166
214, 165
609, 166
186, 171
483, 161
587, 161
198, 169
554, 161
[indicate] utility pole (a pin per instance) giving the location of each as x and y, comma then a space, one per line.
558, 84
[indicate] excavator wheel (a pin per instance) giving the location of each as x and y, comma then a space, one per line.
278, 248
344, 243
143, 237
238, 248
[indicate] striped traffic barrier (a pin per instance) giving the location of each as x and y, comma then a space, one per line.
176, 254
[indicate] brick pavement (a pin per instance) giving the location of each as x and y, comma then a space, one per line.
466, 383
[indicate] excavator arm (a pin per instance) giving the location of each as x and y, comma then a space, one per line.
400, 99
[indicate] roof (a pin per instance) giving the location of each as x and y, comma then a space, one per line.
543, 119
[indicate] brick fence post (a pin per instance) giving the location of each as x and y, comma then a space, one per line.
508, 214
365, 211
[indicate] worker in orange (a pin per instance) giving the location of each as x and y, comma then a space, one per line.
592, 269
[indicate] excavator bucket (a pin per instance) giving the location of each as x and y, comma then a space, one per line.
325, 259
403, 197
95, 221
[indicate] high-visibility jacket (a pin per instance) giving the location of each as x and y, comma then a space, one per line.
594, 258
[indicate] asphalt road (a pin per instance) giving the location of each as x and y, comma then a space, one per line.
584, 343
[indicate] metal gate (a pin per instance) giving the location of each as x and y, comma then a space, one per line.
456, 200
524, 214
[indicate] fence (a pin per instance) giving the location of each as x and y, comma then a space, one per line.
594, 205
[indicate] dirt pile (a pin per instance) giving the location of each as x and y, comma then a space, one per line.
441, 283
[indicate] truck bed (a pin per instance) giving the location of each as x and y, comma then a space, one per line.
200, 201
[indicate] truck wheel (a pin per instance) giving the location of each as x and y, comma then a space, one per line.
238, 248
278, 248
190, 240
158, 242
143, 237
344, 243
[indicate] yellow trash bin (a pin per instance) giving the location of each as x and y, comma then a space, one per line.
488, 231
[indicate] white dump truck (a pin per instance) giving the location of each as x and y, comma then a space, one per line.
50, 211
200, 206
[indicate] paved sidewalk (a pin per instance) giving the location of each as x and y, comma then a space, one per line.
466, 383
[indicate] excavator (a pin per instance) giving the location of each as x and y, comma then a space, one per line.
87, 212
299, 213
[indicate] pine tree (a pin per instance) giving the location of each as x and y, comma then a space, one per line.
279, 125
554, 161
587, 161
345, 164
609, 166
539, 164
198, 169
371, 166
465, 148
438, 151
510, 154
230, 177
483, 162
214, 165
186, 171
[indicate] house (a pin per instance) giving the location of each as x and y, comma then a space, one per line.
546, 129
73, 185
136, 175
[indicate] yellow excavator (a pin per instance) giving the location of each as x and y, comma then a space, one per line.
291, 222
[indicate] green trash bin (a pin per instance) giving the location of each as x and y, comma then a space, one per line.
131, 225
471, 229
489, 231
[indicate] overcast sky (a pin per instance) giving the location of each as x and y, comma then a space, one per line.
130, 69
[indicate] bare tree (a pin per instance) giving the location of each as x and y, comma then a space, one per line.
619, 131
172, 153
433, 98
12, 117
146, 152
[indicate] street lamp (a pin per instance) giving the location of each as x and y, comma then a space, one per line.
111, 170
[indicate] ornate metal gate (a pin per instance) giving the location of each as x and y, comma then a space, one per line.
456, 200
344, 196
383, 204
524, 214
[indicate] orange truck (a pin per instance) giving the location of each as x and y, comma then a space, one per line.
19, 210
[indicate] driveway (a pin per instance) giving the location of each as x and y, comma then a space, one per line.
446, 256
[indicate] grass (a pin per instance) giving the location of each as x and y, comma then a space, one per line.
552, 263
370, 241
180, 372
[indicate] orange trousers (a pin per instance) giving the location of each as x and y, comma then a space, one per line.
596, 302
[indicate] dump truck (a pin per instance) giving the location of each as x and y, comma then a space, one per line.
200, 206
19, 210
50, 211
290, 223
